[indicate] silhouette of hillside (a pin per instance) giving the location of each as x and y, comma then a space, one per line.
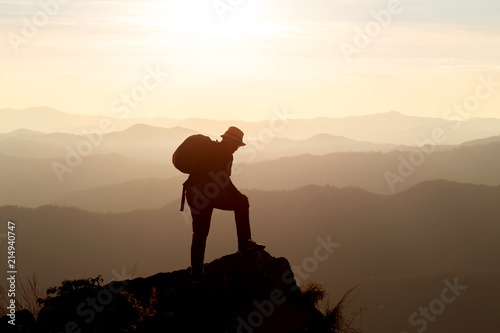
123, 197
141, 142
319, 144
488, 140
475, 164
387, 305
22, 132
390, 127
32, 182
241, 292
435, 227
49, 120
44, 119
156, 144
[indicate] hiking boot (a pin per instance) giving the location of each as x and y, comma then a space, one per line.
250, 245
196, 278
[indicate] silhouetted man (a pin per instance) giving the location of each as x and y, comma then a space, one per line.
210, 187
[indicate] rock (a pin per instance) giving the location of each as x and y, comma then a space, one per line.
242, 292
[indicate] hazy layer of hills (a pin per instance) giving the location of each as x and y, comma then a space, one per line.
32, 182
116, 183
141, 142
474, 164
432, 228
121, 165
126, 196
391, 127
310, 180
156, 144
456, 223
414, 303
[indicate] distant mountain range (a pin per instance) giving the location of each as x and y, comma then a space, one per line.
156, 144
475, 164
33, 182
432, 228
123, 197
457, 219
388, 305
407, 201
484, 141
140, 142
391, 127
112, 182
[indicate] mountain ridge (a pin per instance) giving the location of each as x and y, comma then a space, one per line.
370, 127
367, 170
379, 236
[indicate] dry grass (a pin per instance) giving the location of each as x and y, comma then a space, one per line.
337, 316
27, 295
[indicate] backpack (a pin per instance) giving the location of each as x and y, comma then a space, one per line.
187, 155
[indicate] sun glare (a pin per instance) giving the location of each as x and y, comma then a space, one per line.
207, 20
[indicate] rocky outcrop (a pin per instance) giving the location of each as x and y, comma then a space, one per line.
242, 292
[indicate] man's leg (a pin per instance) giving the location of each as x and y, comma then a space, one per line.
201, 227
238, 202
242, 218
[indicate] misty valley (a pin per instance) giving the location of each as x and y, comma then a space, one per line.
415, 227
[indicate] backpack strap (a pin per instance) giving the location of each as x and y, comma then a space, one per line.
183, 197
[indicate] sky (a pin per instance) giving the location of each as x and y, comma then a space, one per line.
240, 59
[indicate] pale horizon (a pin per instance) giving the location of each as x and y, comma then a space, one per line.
292, 116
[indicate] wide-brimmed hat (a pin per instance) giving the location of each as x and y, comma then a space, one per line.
234, 133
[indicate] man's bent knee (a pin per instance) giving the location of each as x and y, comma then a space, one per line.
243, 201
